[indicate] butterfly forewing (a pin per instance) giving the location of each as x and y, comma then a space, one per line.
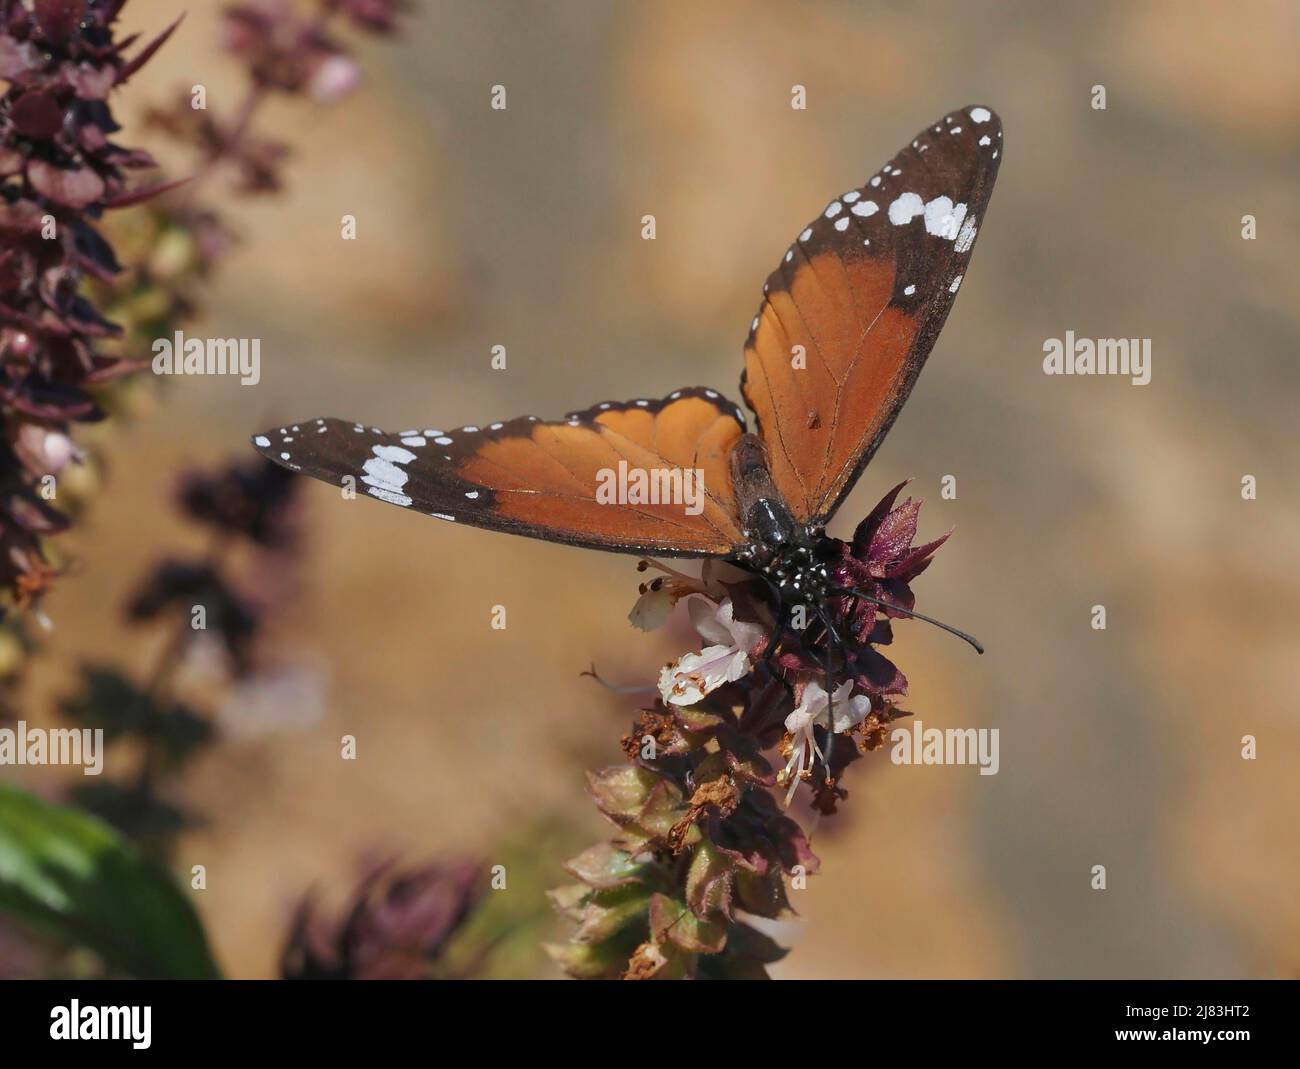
550, 480
853, 309
846, 322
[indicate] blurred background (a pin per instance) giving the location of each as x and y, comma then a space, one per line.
521, 228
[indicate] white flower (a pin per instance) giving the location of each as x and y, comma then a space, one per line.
334, 79
687, 680
810, 712
661, 594
46, 452
656, 603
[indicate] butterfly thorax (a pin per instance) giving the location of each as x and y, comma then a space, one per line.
798, 571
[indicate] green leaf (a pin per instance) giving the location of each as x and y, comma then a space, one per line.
621, 792
604, 866
72, 877
640, 802
569, 899
709, 881
672, 920
606, 913
600, 961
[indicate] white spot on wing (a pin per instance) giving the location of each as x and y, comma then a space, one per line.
391, 496
966, 238
394, 453
943, 218
383, 474
906, 208
262, 440
980, 114
866, 209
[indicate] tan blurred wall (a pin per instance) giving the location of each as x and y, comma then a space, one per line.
521, 228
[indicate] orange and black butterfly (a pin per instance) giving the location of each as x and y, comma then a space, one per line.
847, 319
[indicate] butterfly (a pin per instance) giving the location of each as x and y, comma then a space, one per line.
847, 320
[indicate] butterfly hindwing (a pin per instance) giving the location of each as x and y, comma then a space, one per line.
853, 310
544, 479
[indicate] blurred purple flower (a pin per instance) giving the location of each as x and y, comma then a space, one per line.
379, 16
253, 500
397, 927
292, 53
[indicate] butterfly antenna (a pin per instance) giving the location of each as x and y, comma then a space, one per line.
774, 639
831, 636
915, 615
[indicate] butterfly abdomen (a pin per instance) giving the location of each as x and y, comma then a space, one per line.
763, 512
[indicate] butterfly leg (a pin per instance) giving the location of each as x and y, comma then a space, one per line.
849, 650
778, 610
774, 639
832, 636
